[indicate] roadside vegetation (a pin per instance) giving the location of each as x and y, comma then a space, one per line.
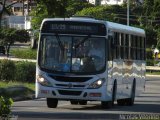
17, 71
17, 79
6, 104
28, 85
26, 53
8, 36
153, 72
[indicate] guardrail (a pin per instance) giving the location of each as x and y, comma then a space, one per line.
152, 68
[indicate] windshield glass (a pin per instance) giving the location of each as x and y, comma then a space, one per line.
82, 54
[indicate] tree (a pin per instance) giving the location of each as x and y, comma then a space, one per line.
74, 6
38, 15
151, 36
101, 12
56, 8
9, 35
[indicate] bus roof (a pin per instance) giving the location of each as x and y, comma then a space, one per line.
125, 29
80, 19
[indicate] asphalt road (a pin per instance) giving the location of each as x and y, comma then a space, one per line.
147, 106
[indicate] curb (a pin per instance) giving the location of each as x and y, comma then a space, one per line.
147, 75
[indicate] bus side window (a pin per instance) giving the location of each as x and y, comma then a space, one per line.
138, 48
122, 45
110, 55
117, 39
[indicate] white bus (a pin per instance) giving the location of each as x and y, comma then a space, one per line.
84, 59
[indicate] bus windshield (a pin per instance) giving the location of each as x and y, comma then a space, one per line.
72, 54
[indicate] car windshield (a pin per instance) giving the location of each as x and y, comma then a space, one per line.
73, 54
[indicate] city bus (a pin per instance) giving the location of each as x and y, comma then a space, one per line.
83, 59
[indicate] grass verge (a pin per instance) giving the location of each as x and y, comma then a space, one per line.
24, 53
153, 73
11, 84
17, 91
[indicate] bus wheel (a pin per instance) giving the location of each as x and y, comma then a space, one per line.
106, 104
130, 101
52, 102
114, 93
74, 102
83, 102
121, 102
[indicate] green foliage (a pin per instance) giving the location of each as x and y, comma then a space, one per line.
99, 12
7, 70
149, 54
148, 7
24, 53
56, 8
150, 62
145, 15
75, 6
19, 71
9, 84
22, 36
5, 106
151, 36
39, 13
9, 35
25, 72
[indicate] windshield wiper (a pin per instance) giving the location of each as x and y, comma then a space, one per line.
59, 42
85, 38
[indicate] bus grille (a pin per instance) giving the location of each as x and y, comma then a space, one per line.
68, 92
67, 86
70, 79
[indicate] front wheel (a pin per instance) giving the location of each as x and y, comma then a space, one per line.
74, 102
130, 101
83, 102
106, 104
52, 102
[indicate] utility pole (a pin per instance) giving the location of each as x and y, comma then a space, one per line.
128, 12
23, 7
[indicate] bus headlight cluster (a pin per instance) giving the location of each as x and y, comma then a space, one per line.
43, 81
96, 84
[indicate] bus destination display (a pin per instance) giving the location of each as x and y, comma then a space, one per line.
70, 27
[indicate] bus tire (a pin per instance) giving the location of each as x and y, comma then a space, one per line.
114, 92
52, 102
83, 102
106, 104
121, 102
74, 102
130, 101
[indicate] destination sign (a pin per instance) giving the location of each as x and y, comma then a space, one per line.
72, 27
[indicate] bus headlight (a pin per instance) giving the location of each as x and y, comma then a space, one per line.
43, 81
96, 84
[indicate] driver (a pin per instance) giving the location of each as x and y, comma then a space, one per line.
97, 54
96, 50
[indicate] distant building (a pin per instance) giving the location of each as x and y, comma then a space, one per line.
22, 8
110, 2
20, 11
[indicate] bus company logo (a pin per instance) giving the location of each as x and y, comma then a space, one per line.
70, 85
